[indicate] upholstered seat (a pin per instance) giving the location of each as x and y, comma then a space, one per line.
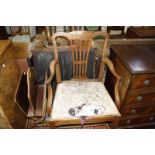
72, 94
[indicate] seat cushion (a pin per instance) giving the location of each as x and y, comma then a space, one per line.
75, 94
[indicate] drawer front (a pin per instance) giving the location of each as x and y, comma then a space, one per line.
141, 98
128, 122
143, 82
129, 110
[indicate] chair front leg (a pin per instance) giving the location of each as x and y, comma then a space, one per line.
49, 87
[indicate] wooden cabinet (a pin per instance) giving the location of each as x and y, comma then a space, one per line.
135, 64
141, 32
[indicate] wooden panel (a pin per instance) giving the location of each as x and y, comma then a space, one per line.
36, 94
41, 101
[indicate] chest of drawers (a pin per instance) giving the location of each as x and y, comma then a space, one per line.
135, 63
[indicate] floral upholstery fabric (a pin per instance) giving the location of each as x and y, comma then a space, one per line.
73, 94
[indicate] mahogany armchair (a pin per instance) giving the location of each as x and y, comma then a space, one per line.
81, 100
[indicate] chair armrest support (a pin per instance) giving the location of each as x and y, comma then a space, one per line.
52, 71
110, 65
49, 87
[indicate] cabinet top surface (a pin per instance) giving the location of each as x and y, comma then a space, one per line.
138, 58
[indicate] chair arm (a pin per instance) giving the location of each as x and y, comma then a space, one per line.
49, 87
110, 65
52, 71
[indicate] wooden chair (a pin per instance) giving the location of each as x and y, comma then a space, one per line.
31, 98
80, 93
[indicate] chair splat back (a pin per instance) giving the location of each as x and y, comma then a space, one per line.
80, 54
80, 44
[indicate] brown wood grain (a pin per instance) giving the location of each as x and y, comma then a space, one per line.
136, 57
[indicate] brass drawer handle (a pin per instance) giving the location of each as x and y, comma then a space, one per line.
133, 111
147, 83
128, 121
151, 118
140, 98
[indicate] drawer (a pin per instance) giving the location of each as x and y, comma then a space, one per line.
132, 121
143, 82
139, 121
140, 98
130, 110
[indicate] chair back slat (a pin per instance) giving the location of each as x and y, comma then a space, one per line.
80, 53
